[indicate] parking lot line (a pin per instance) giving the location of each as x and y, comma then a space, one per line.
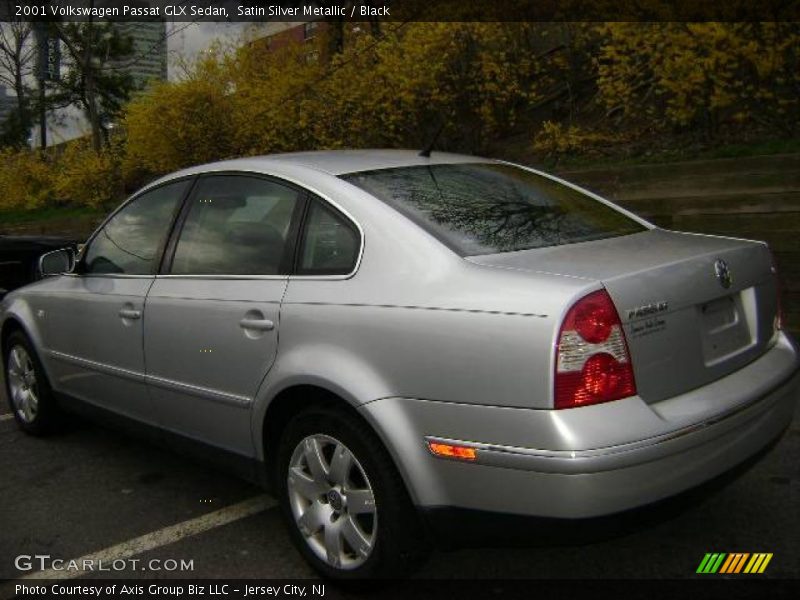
159, 538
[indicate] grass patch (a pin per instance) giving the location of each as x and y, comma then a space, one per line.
18, 216
69, 221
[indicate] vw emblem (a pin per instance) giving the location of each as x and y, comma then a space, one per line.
335, 500
723, 273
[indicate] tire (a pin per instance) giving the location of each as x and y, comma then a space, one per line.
29, 394
348, 512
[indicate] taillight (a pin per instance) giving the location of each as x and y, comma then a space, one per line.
593, 364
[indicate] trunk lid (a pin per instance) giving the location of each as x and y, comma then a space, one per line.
694, 307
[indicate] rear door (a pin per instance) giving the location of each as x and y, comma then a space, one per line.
213, 314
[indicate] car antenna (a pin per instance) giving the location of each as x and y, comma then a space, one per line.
426, 151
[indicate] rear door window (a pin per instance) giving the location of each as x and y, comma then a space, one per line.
237, 225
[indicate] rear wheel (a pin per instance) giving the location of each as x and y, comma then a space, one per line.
28, 391
346, 506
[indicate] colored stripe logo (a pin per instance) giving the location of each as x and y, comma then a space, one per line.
734, 563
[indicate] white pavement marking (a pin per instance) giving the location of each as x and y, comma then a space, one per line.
159, 538
6, 417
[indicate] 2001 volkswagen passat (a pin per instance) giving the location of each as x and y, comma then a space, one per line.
381, 336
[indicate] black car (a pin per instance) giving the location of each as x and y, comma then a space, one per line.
19, 257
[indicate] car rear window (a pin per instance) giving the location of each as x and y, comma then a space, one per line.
486, 208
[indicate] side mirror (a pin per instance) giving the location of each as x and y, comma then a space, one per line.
57, 262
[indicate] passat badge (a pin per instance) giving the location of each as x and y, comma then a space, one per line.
648, 309
723, 273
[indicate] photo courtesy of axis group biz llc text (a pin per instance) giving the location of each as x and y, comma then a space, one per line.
397, 298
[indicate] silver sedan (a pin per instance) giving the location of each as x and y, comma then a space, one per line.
386, 339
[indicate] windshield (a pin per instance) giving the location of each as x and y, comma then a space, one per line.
486, 208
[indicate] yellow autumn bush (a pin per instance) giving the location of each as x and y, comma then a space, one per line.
566, 88
554, 139
75, 175
391, 90
84, 177
26, 179
177, 124
701, 74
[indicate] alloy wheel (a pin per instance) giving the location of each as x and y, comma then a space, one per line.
22, 384
332, 501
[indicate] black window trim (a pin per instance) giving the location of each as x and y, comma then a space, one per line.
80, 265
167, 248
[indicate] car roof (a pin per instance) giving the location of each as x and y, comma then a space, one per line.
330, 162
338, 162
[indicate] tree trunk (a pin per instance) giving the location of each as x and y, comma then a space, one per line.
335, 37
92, 112
19, 90
90, 92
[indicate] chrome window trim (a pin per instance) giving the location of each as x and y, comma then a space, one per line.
256, 277
225, 277
108, 275
292, 180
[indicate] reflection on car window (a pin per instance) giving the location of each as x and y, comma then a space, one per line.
129, 243
330, 245
487, 208
237, 225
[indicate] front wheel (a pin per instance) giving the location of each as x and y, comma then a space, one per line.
29, 394
347, 508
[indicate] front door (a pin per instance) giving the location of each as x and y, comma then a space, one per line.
92, 320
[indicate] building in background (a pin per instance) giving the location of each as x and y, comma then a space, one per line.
275, 35
294, 32
148, 61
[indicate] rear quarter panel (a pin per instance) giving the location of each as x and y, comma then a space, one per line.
458, 333
416, 320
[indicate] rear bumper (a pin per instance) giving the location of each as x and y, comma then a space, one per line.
590, 461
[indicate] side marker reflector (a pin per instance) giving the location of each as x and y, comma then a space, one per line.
450, 451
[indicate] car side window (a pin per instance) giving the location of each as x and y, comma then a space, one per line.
330, 243
236, 225
130, 242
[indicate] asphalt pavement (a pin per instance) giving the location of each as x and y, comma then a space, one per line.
91, 491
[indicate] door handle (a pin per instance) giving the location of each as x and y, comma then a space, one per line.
257, 324
130, 313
